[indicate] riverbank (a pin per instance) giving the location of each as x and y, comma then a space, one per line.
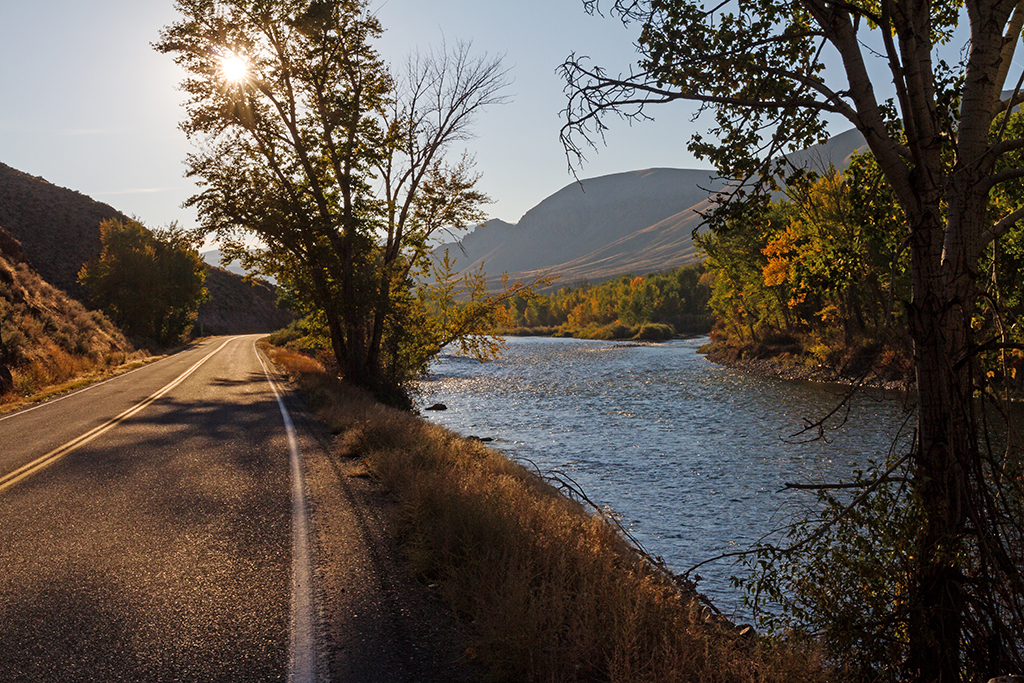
617, 331
867, 367
552, 591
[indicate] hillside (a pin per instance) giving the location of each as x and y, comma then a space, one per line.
238, 306
47, 337
57, 228
589, 224
636, 222
59, 231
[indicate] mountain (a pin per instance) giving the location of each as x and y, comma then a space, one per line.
635, 222
212, 257
588, 224
239, 306
836, 151
59, 230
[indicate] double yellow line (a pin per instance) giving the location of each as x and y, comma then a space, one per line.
25, 471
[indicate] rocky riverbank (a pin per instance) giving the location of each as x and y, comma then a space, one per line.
790, 363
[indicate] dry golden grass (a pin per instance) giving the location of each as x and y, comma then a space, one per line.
51, 341
554, 593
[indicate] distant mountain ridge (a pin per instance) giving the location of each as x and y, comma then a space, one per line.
213, 257
59, 230
579, 223
634, 222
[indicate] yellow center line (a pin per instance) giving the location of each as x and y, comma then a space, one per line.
56, 454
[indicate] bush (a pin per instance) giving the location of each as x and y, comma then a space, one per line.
655, 332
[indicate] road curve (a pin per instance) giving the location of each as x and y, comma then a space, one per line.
147, 533
161, 548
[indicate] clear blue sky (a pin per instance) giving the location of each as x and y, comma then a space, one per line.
86, 103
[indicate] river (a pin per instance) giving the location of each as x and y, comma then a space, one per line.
693, 456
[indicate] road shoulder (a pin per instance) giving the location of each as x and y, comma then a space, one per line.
377, 622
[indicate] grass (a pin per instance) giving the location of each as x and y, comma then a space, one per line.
553, 592
50, 342
43, 388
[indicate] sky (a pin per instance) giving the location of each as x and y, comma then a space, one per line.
86, 102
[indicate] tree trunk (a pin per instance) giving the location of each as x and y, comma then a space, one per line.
380, 313
337, 337
936, 602
356, 370
940, 319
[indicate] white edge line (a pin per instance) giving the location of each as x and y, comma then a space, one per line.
302, 660
28, 469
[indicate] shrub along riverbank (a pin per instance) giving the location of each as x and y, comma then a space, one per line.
553, 592
655, 306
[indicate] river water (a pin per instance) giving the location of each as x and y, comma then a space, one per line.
691, 455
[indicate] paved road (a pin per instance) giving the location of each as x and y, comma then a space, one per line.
148, 528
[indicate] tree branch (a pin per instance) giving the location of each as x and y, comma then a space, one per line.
991, 345
1002, 226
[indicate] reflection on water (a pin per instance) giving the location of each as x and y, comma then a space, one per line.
691, 454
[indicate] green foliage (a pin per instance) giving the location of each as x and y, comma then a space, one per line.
439, 311
338, 164
655, 332
151, 285
307, 335
1001, 313
844, 574
463, 314
672, 302
824, 263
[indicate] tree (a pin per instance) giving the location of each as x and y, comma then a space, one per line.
336, 164
151, 285
760, 66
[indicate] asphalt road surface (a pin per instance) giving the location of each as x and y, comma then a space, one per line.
164, 526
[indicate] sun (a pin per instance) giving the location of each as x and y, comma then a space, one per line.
234, 68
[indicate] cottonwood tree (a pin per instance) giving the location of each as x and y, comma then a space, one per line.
310, 142
760, 67
151, 284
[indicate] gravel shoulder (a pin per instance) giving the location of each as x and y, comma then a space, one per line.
377, 622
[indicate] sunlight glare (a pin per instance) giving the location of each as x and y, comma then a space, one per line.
234, 68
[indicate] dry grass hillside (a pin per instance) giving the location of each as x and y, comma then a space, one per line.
57, 228
238, 306
59, 231
585, 229
46, 337
637, 222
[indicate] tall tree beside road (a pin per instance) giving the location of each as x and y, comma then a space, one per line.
760, 66
340, 167
151, 285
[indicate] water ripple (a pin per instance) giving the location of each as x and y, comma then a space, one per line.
692, 454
